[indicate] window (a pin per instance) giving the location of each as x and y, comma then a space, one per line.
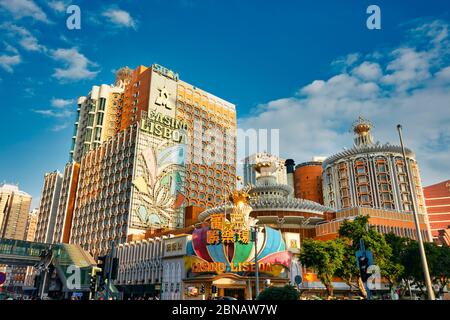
100, 116
346, 202
386, 197
360, 169
90, 120
363, 189
365, 198
381, 167
102, 104
98, 134
388, 205
362, 179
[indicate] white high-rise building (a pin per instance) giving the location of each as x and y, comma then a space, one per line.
250, 174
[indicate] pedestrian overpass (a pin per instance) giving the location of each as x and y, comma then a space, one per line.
64, 257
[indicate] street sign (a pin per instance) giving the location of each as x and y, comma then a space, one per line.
2, 277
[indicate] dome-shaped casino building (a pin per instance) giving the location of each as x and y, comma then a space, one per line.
283, 222
273, 204
372, 175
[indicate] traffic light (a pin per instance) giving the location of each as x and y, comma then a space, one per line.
93, 283
114, 268
101, 263
363, 263
202, 289
101, 283
93, 280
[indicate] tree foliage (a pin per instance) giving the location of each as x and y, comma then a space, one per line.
398, 258
406, 252
287, 292
374, 241
325, 257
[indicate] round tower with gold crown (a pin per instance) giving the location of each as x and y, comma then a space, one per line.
362, 128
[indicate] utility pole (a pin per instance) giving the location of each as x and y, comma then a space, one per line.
44, 280
255, 238
110, 267
416, 222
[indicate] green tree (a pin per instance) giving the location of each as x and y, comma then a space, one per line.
287, 292
351, 232
325, 257
438, 259
348, 271
441, 271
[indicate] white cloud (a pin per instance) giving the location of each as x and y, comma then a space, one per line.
8, 62
59, 112
53, 113
409, 68
29, 92
24, 37
10, 48
76, 65
416, 94
444, 74
120, 18
61, 103
24, 8
60, 127
58, 6
368, 71
342, 63
340, 86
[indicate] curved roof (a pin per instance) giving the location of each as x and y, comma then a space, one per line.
375, 148
287, 204
219, 209
277, 187
267, 203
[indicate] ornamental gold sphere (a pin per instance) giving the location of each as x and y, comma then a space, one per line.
238, 197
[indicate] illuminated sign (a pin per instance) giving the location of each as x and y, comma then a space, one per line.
223, 231
220, 267
176, 246
163, 126
165, 72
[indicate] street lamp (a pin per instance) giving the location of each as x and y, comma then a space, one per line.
254, 230
416, 222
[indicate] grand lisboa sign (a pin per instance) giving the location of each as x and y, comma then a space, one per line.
226, 246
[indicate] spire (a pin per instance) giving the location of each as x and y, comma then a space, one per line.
361, 128
123, 76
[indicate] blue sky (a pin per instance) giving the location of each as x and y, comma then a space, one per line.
282, 63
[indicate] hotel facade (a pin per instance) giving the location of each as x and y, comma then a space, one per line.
14, 209
48, 207
437, 198
373, 175
143, 149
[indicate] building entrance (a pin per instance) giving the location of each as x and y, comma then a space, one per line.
238, 293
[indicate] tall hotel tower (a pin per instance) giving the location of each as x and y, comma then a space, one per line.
48, 207
144, 149
373, 175
14, 208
